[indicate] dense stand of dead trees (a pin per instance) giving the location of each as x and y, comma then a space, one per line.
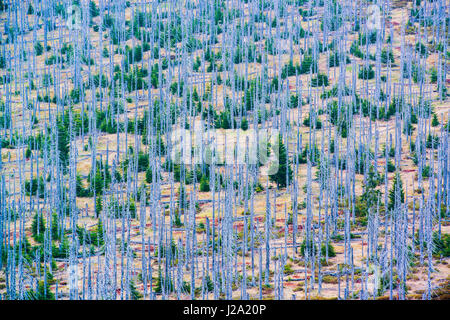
113, 87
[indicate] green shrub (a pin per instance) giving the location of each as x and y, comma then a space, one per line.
330, 248
441, 246
308, 65
309, 248
149, 175
38, 49
335, 59
421, 49
366, 73
38, 227
387, 56
43, 292
204, 184
320, 80
32, 187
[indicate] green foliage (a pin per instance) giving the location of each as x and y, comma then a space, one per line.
335, 91
134, 293
28, 153
38, 227
94, 11
63, 143
339, 117
55, 227
288, 70
307, 121
432, 141
105, 52
149, 175
143, 161
370, 196
204, 184
100, 80
197, 63
155, 76
384, 283
335, 59
94, 237
121, 209
329, 248
176, 88
254, 91
284, 167
80, 190
30, 9
63, 250
38, 48
320, 80
136, 79
366, 73
224, 120
209, 285
97, 236
34, 187
75, 95
163, 250
314, 155
5, 120
308, 65
52, 60
390, 166
43, 292
162, 282
275, 83
244, 124
387, 56
435, 121
188, 177
396, 187
334, 19
181, 197
307, 248
356, 51
434, 75
177, 221
363, 38
47, 80
421, 49
441, 247
426, 171
98, 205
101, 179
